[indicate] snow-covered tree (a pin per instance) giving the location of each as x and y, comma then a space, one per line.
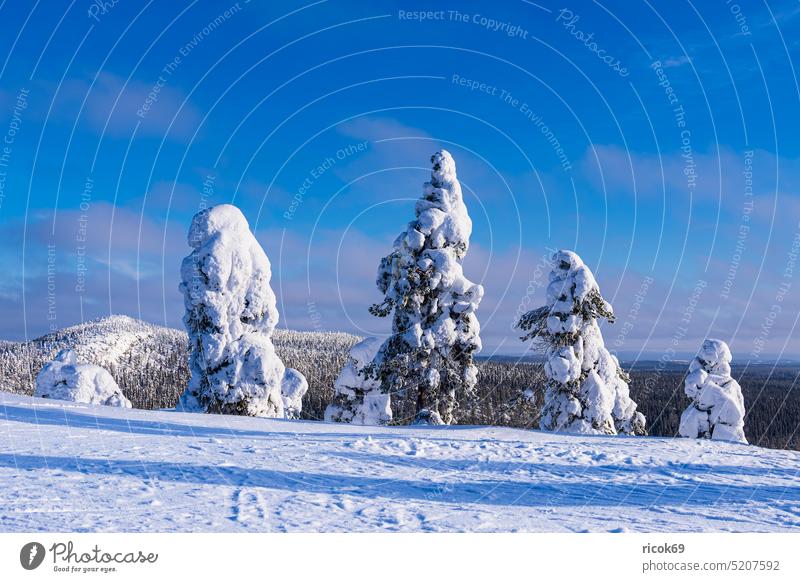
230, 316
293, 388
358, 398
435, 332
717, 408
64, 378
587, 391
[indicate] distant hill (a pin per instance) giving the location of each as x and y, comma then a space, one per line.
149, 361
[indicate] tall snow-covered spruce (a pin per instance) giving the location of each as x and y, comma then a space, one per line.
587, 391
230, 316
435, 332
717, 408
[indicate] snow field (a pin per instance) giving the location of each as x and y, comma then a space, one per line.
73, 467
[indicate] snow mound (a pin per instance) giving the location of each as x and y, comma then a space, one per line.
230, 315
358, 398
65, 379
717, 408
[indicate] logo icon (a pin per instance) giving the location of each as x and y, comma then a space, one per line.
31, 555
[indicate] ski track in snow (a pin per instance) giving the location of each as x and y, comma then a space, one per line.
73, 467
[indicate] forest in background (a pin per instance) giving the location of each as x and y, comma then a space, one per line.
152, 371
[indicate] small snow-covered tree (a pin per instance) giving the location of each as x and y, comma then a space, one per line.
293, 387
64, 378
435, 332
717, 408
230, 316
587, 390
358, 398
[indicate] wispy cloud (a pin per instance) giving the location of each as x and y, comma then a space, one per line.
116, 105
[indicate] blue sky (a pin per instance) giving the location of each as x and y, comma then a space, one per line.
658, 140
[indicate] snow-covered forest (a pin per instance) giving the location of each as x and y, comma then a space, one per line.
339, 266
149, 363
183, 395
235, 359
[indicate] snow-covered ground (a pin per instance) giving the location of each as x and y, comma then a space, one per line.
72, 467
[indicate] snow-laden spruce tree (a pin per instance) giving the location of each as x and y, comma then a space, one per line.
64, 378
587, 391
230, 316
358, 398
435, 332
717, 408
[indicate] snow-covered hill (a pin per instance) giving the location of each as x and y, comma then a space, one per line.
70, 467
112, 341
149, 362
118, 339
